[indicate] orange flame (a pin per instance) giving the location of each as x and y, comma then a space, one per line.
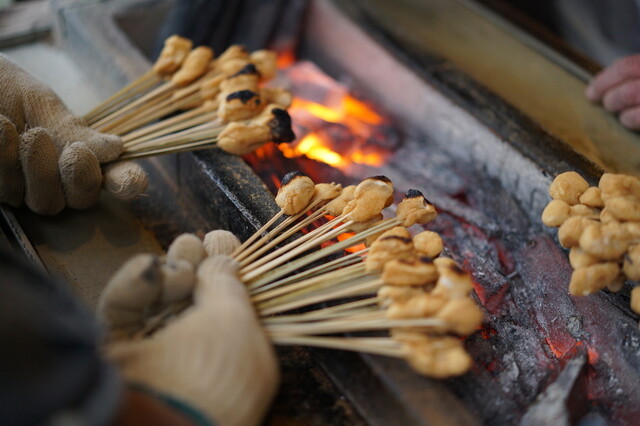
313, 147
353, 249
310, 117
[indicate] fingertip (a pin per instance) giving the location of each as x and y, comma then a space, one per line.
125, 180
220, 242
187, 247
630, 118
106, 147
81, 176
591, 93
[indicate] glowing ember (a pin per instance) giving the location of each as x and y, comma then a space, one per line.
286, 58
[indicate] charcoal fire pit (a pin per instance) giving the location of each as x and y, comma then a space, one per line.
542, 357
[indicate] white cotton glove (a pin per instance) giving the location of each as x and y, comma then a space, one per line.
214, 356
48, 157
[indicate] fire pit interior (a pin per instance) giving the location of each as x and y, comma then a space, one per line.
373, 106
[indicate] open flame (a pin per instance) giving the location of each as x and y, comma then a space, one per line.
332, 126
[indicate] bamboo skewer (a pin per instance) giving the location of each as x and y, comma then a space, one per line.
387, 347
156, 95
351, 325
351, 290
176, 128
324, 312
257, 234
249, 249
311, 241
369, 308
203, 131
341, 274
179, 122
138, 86
147, 116
310, 219
193, 146
318, 270
324, 252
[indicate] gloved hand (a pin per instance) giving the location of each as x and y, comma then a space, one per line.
617, 87
48, 157
213, 356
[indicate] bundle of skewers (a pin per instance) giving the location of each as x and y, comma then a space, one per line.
191, 100
394, 294
416, 304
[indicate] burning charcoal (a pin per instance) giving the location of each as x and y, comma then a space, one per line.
335, 207
618, 185
296, 192
415, 208
428, 243
415, 272
607, 242
174, 52
590, 279
568, 187
556, 213
592, 197
194, 66
562, 399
